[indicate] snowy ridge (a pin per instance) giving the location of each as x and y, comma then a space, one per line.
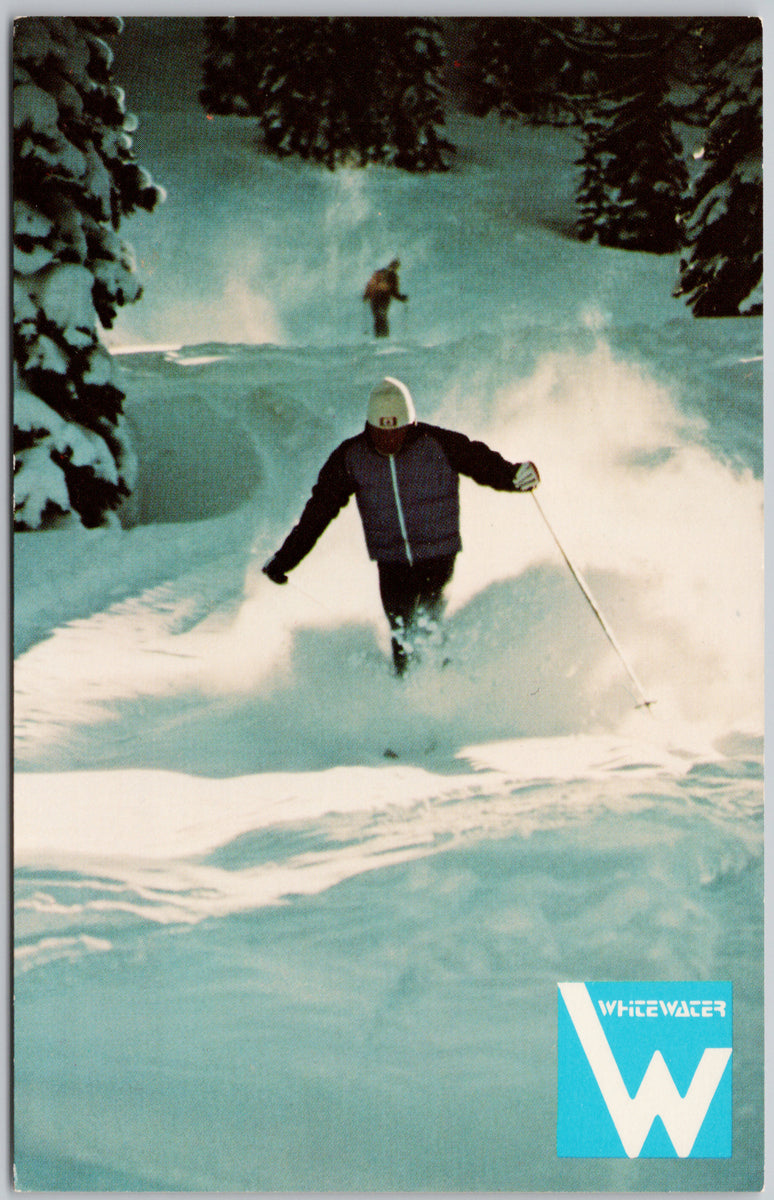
196, 849
164, 815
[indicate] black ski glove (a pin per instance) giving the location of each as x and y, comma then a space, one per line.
273, 572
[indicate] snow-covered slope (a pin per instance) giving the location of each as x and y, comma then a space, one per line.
291, 923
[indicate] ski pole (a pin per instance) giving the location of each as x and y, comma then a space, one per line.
309, 596
295, 588
584, 587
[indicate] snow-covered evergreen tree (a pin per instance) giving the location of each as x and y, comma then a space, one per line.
218, 66
612, 76
634, 176
592, 198
520, 67
333, 89
633, 170
722, 273
74, 178
620, 79
410, 62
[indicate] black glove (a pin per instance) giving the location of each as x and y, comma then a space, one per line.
273, 572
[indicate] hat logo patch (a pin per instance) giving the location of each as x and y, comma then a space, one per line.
388, 422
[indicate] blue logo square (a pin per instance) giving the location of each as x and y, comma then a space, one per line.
644, 1070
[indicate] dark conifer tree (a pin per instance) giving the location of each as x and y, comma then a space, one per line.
722, 273
593, 198
333, 89
218, 68
74, 178
619, 78
634, 175
521, 67
411, 78
612, 76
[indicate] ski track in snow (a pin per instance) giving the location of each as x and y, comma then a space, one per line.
175, 850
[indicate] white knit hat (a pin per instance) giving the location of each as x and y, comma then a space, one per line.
390, 405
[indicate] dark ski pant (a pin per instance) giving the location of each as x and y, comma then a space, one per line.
408, 592
379, 309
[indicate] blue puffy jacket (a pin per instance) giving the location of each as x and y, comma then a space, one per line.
408, 502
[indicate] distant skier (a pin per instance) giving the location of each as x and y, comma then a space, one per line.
404, 475
382, 287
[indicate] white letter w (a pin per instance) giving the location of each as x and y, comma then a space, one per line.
657, 1095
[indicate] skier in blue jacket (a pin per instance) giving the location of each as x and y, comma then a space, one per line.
404, 475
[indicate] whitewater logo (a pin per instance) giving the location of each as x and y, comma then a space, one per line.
644, 1070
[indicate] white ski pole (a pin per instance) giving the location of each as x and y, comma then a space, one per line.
295, 588
309, 596
584, 587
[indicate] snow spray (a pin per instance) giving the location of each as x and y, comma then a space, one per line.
584, 587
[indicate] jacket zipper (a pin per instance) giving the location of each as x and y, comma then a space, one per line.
399, 506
